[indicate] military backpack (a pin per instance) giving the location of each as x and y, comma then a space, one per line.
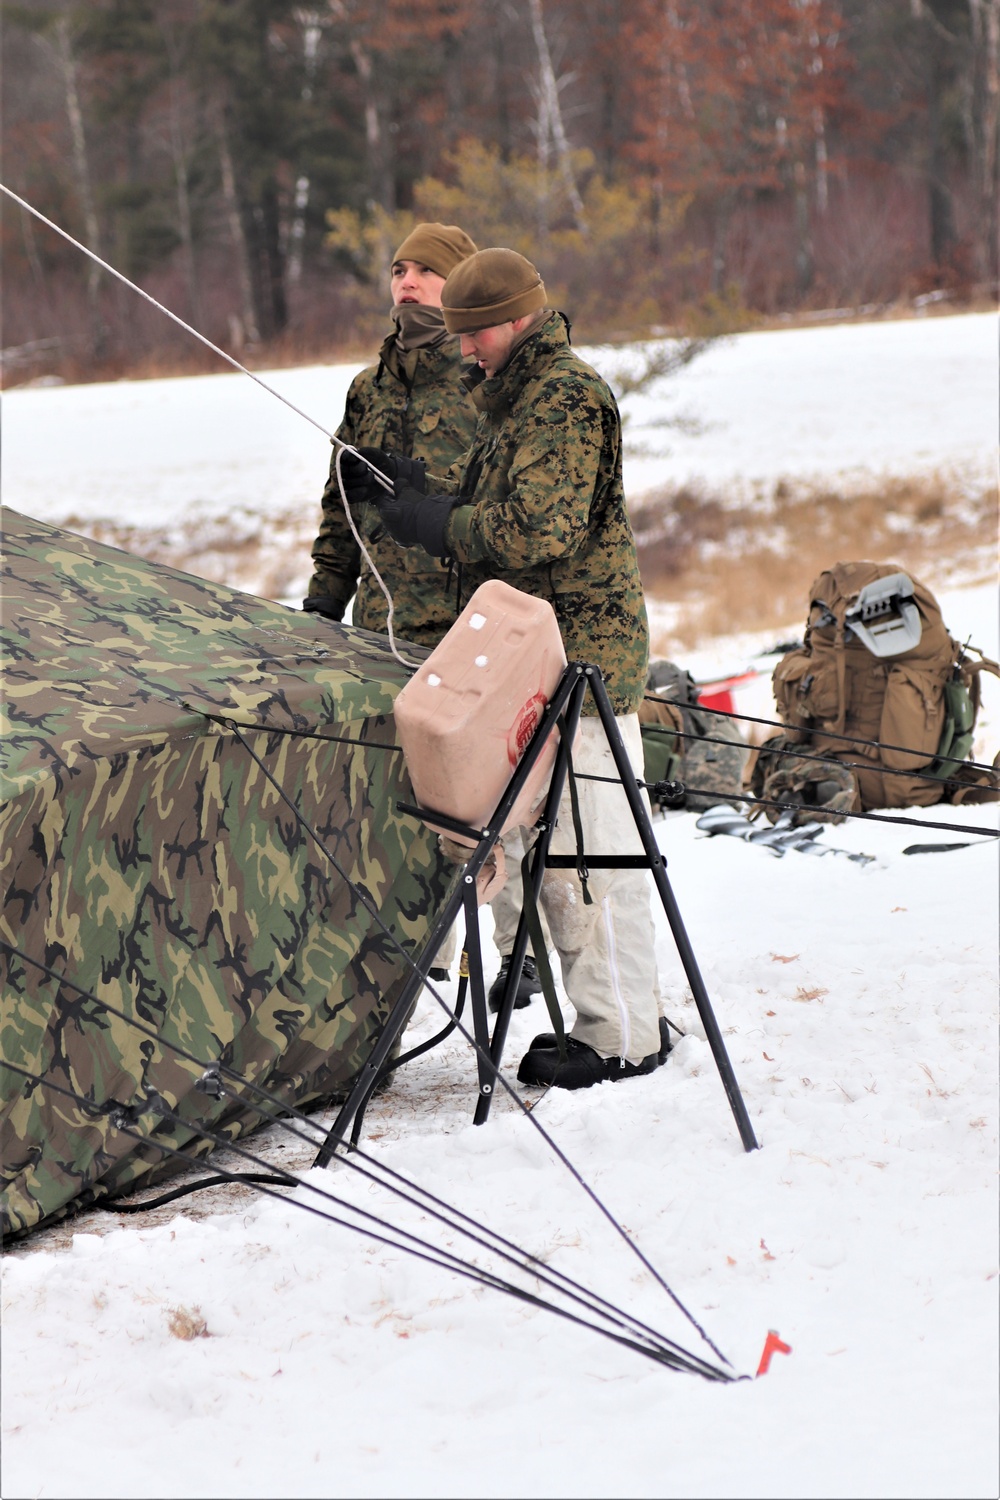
880, 691
681, 742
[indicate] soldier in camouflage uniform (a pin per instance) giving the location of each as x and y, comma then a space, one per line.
410, 402
539, 503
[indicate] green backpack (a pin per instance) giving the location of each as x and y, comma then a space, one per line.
674, 743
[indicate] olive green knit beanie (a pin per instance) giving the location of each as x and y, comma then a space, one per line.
491, 287
440, 247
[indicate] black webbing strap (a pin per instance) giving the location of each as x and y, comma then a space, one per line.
574, 802
540, 948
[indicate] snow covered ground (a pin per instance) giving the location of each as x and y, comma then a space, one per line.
858, 1004
857, 399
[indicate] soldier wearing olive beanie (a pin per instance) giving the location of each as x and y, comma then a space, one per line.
491, 287
538, 502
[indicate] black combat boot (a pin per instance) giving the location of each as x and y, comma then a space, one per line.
582, 1068
547, 1040
527, 985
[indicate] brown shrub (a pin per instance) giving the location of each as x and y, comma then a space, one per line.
749, 567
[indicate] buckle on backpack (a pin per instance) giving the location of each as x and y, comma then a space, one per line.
884, 618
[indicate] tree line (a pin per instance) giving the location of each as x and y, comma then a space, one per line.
667, 163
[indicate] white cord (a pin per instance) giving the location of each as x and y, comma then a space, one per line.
368, 559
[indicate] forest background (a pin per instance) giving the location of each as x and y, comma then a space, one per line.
673, 166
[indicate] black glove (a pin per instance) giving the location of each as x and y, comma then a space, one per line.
413, 519
361, 485
322, 604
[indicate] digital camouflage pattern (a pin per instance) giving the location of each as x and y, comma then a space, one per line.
694, 756
545, 510
413, 403
146, 858
824, 789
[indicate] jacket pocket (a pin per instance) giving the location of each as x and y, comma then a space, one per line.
428, 422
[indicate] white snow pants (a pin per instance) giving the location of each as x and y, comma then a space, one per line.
606, 949
506, 906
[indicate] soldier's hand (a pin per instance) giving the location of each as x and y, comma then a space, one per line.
413, 519
361, 486
323, 604
406, 473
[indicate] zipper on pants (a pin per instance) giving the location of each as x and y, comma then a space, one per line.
616, 983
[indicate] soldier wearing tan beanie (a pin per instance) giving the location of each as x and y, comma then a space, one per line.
439, 247
412, 402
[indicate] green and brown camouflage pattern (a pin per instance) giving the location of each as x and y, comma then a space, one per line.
413, 403
546, 509
825, 790
147, 859
709, 755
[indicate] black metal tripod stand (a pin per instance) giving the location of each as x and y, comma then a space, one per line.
561, 717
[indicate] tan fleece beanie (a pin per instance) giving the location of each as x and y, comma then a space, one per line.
441, 247
491, 287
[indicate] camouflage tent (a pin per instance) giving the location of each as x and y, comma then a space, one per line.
150, 863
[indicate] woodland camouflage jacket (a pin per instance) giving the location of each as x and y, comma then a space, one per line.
546, 510
416, 404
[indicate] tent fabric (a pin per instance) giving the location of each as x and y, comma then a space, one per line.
146, 859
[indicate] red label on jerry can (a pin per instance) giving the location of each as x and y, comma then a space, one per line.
524, 727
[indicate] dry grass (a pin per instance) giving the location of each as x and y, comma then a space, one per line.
724, 567
187, 1323
728, 568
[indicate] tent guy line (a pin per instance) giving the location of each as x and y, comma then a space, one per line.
655, 1346
706, 739
85, 250
213, 1069
752, 801
340, 447
852, 739
449, 1215
480, 1051
829, 760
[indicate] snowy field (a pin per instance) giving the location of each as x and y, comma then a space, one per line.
859, 1007
854, 400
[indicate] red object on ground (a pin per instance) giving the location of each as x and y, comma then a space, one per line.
772, 1345
719, 693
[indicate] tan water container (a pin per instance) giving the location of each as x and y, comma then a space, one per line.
465, 718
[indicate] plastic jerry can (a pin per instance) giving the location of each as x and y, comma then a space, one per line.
466, 716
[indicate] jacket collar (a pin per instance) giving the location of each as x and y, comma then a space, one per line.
499, 392
426, 362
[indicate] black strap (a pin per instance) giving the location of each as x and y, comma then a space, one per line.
115, 1207
530, 908
574, 802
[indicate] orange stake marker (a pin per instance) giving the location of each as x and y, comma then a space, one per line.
772, 1345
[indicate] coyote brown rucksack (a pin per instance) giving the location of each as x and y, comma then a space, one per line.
877, 664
